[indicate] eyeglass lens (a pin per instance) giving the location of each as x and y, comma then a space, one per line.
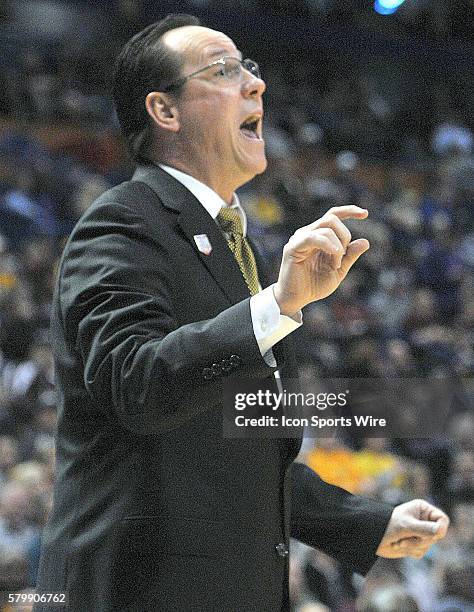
233, 67
252, 67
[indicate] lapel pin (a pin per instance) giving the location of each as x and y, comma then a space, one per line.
203, 244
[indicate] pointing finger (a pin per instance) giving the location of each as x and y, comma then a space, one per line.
348, 212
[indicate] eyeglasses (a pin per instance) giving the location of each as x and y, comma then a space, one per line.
227, 68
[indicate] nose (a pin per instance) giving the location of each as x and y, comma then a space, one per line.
252, 86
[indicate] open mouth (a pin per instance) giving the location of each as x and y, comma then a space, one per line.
250, 128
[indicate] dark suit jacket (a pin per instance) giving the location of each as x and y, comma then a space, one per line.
153, 508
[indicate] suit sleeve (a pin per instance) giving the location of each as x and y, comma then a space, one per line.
347, 527
118, 314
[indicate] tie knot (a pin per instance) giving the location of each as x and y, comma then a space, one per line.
229, 220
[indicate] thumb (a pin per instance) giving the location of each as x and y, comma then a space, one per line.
355, 249
416, 527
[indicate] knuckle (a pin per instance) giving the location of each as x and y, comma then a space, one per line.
324, 239
327, 232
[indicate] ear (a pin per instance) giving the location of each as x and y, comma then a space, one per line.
163, 111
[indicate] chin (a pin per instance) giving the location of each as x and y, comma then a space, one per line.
263, 165
258, 166
247, 168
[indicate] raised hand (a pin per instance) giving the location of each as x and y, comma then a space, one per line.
317, 258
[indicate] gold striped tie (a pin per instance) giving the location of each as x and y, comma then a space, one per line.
229, 220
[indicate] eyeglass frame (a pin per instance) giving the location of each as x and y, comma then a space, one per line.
181, 81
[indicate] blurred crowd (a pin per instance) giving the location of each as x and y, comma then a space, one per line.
406, 310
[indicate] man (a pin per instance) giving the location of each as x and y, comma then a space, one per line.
153, 508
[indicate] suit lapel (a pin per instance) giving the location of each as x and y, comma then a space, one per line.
221, 262
193, 220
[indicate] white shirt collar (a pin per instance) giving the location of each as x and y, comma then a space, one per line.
206, 196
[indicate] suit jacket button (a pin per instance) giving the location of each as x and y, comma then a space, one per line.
216, 369
282, 550
226, 365
235, 360
207, 374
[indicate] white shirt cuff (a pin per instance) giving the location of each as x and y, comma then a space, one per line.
269, 325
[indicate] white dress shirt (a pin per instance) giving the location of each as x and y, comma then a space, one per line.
269, 325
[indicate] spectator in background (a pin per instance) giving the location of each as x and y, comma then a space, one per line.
460, 485
457, 593
16, 532
9, 455
452, 137
389, 599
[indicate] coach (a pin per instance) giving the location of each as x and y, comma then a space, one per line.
158, 299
